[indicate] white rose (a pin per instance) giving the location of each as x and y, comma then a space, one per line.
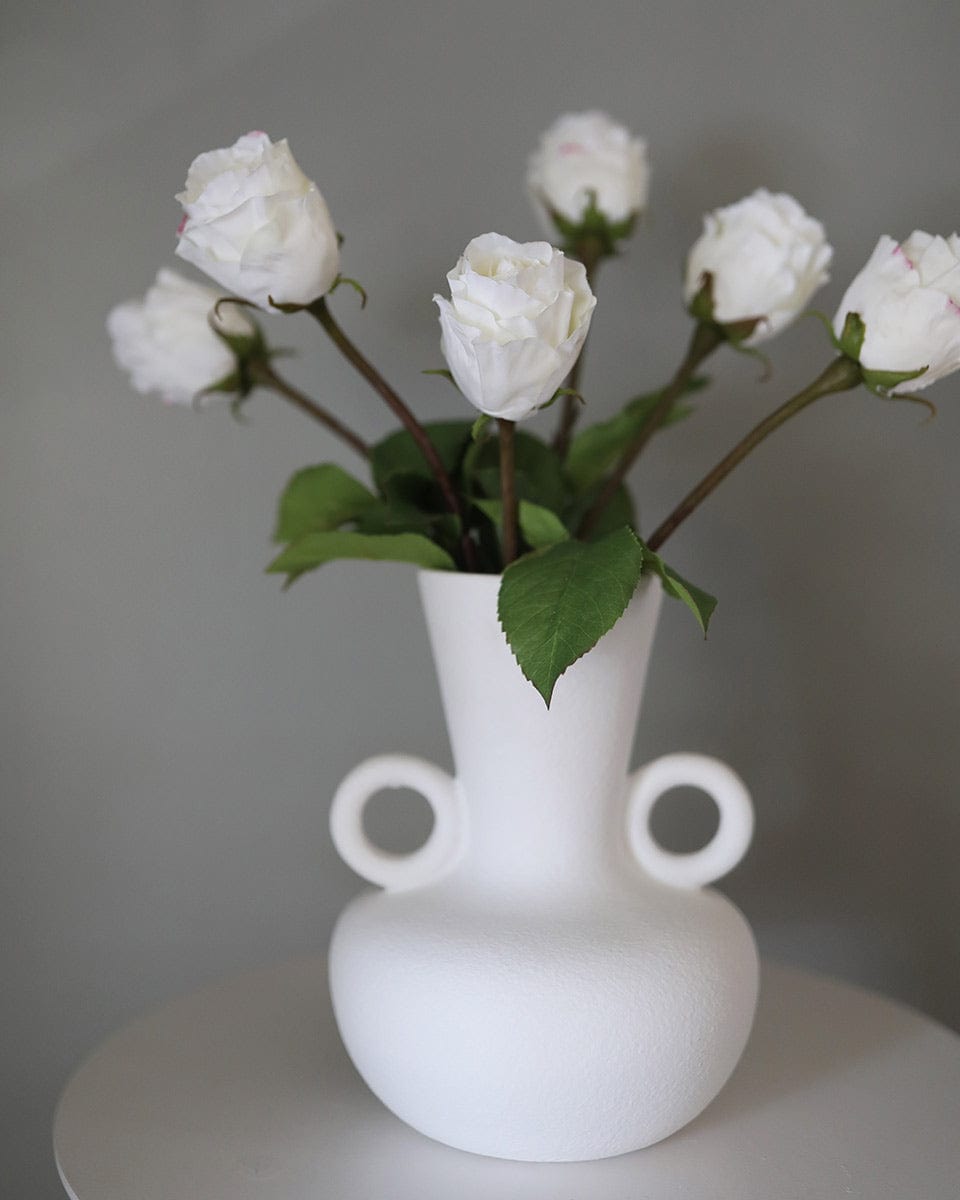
908, 298
589, 152
165, 341
257, 225
766, 257
515, 322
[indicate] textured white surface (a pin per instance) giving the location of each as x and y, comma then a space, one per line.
525, 987
243, 1092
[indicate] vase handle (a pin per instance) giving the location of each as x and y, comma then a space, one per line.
438, 854
727, 846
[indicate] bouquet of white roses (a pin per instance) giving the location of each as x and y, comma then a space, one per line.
550, 512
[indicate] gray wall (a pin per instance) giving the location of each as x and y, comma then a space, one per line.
171, 727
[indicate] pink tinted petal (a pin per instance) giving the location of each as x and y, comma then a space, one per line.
903, 254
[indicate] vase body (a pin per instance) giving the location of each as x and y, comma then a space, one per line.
540, 980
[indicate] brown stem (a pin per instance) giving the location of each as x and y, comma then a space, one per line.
353, 355
508, 490
703, 341
589, 252
841, 375
264, 374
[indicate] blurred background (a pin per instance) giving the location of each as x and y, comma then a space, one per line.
172, 726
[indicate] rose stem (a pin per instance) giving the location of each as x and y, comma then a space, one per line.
703, 341
841, 375
266, 376
590, 252
353, 355
508, 490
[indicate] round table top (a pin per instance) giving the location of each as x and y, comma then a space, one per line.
243, 1092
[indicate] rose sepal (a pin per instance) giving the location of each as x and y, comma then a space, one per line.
563, 391
478, 430
355, 284
247, 349
244, 346
887, 380
594, 236
313, 305
882, 383
701, 308
443, 372
850, 341
735, 333
237, 385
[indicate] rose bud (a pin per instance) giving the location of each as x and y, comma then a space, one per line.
760, 260
589, 157
908, 300
166, 344
515, 322
257, 225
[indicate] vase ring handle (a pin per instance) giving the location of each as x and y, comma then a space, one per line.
438, 854
727, 846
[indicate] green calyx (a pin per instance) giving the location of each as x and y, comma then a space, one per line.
594, 236
850, 344
881, 383
850, 341
248, 349
701, 308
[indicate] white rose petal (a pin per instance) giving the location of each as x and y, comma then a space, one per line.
588, 152
766, 257
257, 225
515, 322
165, 341
908, 297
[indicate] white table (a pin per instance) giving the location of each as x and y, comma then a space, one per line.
242, 1092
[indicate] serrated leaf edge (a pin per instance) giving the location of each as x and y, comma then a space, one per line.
549, 695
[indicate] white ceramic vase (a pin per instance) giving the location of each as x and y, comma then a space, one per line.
541, 980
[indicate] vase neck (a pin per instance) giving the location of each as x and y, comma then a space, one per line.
544, 787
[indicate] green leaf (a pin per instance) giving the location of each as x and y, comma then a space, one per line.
397, 517
539, 527
539, 474
556, 604
595, 450
319, 498
315, 549
405, 489
399, 454
700, 603
619, 512
443, 529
